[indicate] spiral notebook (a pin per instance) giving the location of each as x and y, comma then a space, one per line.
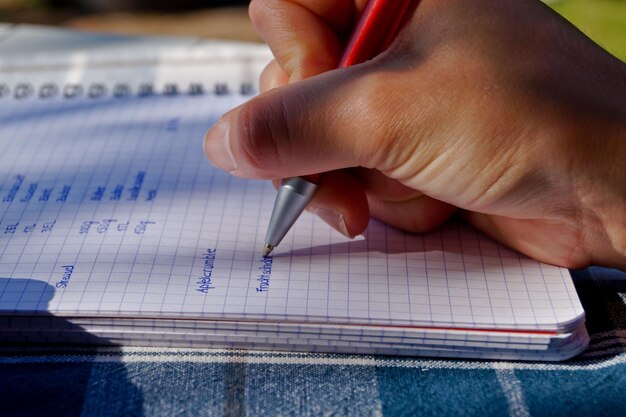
115, 229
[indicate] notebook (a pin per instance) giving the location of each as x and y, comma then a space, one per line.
115, 229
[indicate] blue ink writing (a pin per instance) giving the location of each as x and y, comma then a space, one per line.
45, 194
98, 194
65, 192
264, 276
205, 281
136, 188
15, 188
29, 193
67, 274
116, 194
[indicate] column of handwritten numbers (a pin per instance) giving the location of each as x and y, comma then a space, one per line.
113, 264
10, 292
100, 241
21, 242
86, 153
11, 241
113, 237
71, 163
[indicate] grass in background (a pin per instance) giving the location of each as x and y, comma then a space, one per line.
604, 21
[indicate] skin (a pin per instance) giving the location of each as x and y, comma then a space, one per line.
497, 110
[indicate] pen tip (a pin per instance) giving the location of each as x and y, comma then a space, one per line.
267, 249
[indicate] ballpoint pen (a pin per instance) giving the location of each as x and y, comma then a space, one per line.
377, 27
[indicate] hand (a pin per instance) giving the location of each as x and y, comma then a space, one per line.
497, 108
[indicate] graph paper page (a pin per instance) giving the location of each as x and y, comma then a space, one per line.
109, 208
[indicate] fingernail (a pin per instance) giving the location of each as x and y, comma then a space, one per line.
334, 218
217, 146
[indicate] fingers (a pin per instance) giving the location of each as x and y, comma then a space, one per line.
316, 125
340, 201
301, 41
305, 35
550, 241
346, 202
417, 215
273, 76
381, 187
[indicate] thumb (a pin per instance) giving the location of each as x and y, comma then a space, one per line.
324, 123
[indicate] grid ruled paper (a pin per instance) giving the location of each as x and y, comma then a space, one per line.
109, 208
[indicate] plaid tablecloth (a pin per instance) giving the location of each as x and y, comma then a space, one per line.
87, 381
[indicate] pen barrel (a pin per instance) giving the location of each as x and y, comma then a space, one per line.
294, 194
380, 22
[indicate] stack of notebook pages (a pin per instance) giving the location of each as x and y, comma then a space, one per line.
116, 230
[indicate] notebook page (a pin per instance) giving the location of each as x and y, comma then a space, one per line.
109, 208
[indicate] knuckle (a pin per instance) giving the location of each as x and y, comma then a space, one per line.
262, 126
261, 11
256, 10
377, 119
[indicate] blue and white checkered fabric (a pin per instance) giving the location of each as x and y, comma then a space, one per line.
74, 381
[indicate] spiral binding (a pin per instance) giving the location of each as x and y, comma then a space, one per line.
70, 91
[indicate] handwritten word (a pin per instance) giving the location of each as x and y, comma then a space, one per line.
264, 276
205, 281
67, 274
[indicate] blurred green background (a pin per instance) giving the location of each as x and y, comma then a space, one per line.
604, 21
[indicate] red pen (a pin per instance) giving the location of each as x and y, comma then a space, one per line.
377, 27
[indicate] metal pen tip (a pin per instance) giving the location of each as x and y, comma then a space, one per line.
267, 249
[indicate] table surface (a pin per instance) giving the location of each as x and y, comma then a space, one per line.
134, 381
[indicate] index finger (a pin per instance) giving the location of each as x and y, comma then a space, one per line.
306, 36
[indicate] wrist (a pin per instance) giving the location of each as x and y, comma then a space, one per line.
602, 196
